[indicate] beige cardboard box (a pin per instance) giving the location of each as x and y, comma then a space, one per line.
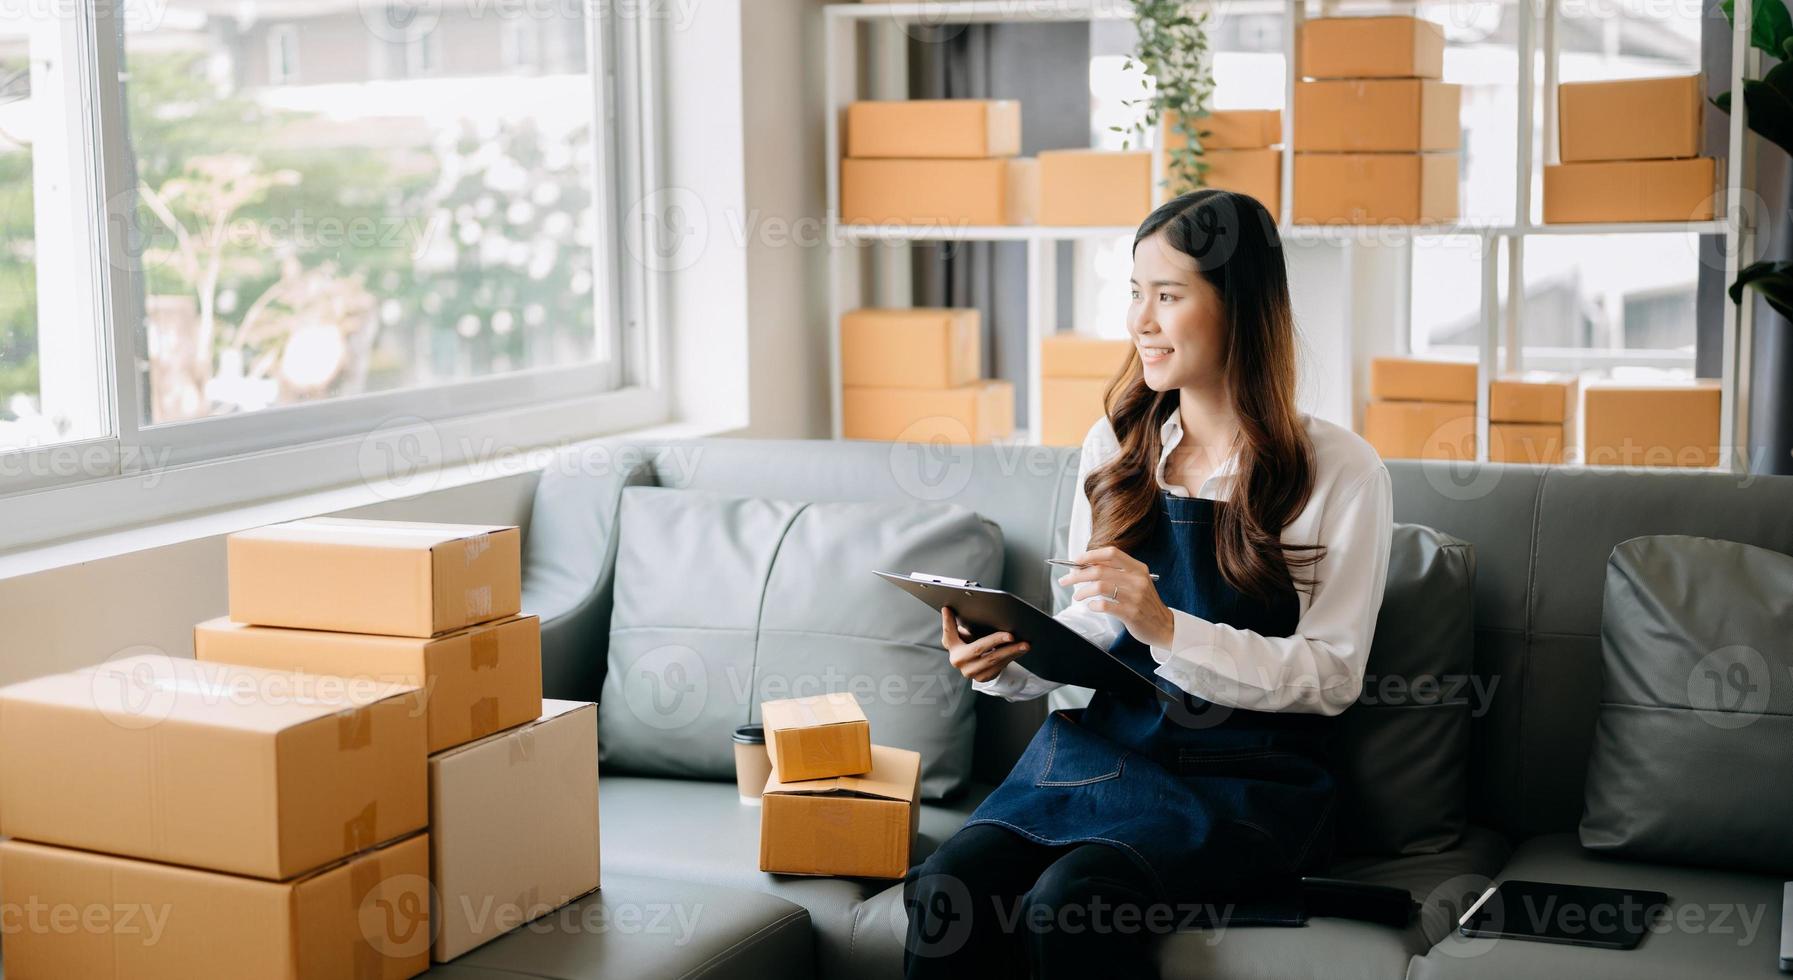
474, 681
1375, 188
817, 737
1359, 115
395, 577
1538, 444
1651, 425
1629, 119
1631, 190
1255, 173
934, 128
1021, 205
1095, 187
1369, 47
857, 826
922, 347
974, 413
1421, 430
1516, 400
1068, 407
926, 192
366, 918
1226, 129
514, 824
229, 768
1075, 355
1411, 379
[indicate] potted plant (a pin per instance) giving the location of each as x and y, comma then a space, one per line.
1173, 52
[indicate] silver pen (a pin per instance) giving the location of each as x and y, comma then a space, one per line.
1077, 564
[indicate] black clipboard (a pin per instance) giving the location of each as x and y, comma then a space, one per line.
1057, 652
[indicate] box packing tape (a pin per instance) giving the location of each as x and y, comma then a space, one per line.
484, 646
358, 830
483, 717
479, 601
354, 729
522, 747
364, 878
476, 545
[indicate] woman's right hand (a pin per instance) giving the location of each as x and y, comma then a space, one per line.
980, 659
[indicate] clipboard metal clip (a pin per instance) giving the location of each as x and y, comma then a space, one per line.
957, 583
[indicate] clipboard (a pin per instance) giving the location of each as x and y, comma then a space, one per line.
1057, 652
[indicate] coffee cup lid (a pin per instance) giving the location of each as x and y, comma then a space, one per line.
750, 734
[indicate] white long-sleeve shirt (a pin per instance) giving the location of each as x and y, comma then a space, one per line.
1317, 669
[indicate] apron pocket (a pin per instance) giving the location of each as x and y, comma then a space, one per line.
1075, 757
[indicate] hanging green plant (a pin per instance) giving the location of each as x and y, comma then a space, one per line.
1768, 109
1179, 83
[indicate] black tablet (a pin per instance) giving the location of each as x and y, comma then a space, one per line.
1573, 915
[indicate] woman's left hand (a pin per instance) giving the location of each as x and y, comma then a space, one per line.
1112, 572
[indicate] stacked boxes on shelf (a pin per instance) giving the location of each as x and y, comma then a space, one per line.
914, 374
1421, 409
1101, 188
1651, 425
1241, 149
1075, 371
1376, 133
1630, 152
1531, 421
936, 162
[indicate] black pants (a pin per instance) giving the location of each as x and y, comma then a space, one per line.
991, 903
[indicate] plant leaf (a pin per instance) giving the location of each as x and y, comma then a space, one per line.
1770, 26
1774, 280
1723, 101
1768, 104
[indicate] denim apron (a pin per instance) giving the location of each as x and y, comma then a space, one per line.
1215, 804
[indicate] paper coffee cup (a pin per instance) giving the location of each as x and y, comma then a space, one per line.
752, 764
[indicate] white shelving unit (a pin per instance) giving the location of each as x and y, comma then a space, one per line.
1500, 348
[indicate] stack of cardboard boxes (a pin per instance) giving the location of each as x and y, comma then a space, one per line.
1241, 148
1075, 371
1376, 133
936, 162
1630, 152
835, 804
1531, 421
1421, 409
914, 374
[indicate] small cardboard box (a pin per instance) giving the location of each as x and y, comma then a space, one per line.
817, 737
1360, 115
922, 347
1254, 173
1410, 379
1651, 425
1068, 407
474, 681
1226, 129
1629, 119
395, 577
934, 128
1022, 203
1075, 355
1421, 430
972, 413
1366, 188
1369, 47
1516, 400
217, 766
365, 918
1095, 187
856, 826
1631, 190
1527, 442
514, 826
954, 193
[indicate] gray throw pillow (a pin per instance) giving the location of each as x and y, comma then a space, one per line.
722, 602
1694, 740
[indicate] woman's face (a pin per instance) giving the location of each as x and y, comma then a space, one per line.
1176, 318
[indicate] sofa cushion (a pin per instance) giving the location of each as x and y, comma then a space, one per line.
1695, 711
722, 602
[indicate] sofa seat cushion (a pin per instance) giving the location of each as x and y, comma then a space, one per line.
1719, 923
649, 928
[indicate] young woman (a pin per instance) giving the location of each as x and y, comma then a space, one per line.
1268, 531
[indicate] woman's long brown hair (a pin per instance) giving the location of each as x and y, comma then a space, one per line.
1233, 241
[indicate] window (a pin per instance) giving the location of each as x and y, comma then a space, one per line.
283, 54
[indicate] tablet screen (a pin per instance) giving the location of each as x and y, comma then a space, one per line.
1577, 915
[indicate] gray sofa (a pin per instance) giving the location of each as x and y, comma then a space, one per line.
1541, 538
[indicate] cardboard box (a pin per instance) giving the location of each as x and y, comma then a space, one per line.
921, 347
1021, 205
1629, 119
474, 681
934, 128
1515, 400
857, 826
973, 413
1410, 379
817, 737
1226, 129
1651, 425
514, 826
1374, 188
1075, 355
1068, 407
1631, 190
1255, 173
1095, 187
1421, 430
929, 192
1369, 47
366, 918
1532, 443
395, 577
1359, 115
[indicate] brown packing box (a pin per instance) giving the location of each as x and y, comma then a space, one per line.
934, 128
932, 192
1021, 203
1227, 129
817, 737
217, 766
475, 681
1255, 173
922, 347
1369, 47
1630, 119
1421, 430
976, 412
1075, 355
1515, 400
1631, 190
855, 826
1366, 188
1095, 187
513, 826
395, 577
1068, 407
1377, 114
1414, 380
366, 918
1538, 444
1651, 425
